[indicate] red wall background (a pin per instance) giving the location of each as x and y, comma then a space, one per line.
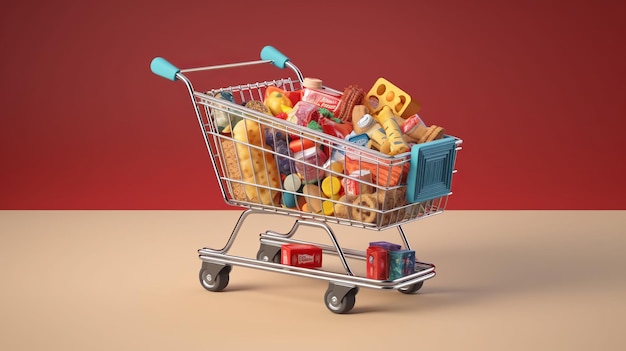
535, 88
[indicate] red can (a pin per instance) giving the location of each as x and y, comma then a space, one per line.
360, 185
301, 255
377, 263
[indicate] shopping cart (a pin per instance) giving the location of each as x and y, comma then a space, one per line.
255, 171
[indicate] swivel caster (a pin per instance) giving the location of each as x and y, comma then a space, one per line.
339, 298
214, 277
411, 289
268, 253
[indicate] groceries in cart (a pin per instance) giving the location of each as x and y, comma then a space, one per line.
340, 155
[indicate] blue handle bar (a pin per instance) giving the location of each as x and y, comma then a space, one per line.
161, 67
277, 58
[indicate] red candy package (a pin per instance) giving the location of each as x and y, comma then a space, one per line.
314, 93
336, 129
377, 263
301, 255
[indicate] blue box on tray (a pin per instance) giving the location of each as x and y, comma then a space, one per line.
401, 263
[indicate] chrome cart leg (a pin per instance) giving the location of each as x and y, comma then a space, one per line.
405, 241
215, 276
234, 233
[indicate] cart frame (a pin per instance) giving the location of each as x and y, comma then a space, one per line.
217, 263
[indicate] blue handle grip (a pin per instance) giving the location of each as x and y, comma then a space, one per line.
270, 53
161, 67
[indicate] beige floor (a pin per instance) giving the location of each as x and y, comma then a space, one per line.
123, 280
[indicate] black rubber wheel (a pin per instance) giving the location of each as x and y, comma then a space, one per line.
262, 256
344, 306
214, 283
411, 289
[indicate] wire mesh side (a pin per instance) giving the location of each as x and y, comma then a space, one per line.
253, 170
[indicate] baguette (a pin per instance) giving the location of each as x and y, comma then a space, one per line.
258, 166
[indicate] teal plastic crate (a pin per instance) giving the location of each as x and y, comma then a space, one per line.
430, 172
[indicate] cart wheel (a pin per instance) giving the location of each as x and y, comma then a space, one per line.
214, 281
263, 255
337, 304
411, 289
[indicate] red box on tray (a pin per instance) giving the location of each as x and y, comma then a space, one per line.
377, 263
386, 245
301, 255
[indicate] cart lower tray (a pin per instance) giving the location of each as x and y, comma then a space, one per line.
343, 287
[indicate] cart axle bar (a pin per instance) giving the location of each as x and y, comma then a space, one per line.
208, 256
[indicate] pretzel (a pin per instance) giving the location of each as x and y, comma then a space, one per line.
433, 133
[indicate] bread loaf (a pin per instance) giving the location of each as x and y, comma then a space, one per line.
232, 169
257, 164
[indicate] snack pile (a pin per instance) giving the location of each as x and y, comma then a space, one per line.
363, 182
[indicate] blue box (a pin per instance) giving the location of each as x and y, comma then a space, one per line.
430, 171
401, 263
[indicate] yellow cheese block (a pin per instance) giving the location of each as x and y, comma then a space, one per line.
384, 93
